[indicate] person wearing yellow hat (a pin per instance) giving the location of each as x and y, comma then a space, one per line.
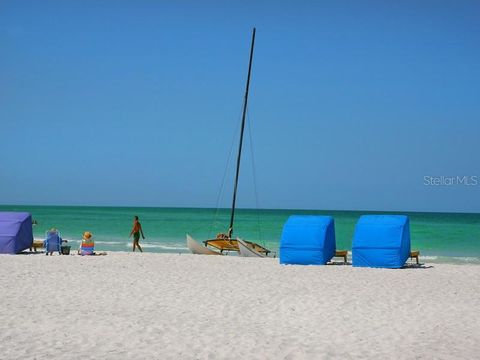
87, 246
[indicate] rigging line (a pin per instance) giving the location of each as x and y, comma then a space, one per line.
254, 171
222, 187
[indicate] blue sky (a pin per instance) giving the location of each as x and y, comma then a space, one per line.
137, 103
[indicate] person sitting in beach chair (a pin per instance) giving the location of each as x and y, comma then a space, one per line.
87, 246
53, 242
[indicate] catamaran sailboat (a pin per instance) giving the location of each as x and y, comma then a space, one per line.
224, 242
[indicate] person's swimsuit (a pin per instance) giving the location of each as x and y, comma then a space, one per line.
136, 231
87, 247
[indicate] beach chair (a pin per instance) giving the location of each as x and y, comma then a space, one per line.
414, 255
341, 253
37, 244
53, 242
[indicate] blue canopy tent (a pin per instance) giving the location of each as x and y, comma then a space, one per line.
16, 232
307, 240
381, 241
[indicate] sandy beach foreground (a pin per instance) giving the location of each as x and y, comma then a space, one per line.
165, 306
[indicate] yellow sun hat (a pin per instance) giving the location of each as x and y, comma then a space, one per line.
87, 235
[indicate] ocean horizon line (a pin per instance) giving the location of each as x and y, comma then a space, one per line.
238, 208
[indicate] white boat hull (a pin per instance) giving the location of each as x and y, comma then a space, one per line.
196, 248
246, 251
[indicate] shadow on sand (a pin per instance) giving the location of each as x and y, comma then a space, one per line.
406, 266
416, 266
339, 263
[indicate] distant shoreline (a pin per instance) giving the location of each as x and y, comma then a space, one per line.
243, 209
440, 237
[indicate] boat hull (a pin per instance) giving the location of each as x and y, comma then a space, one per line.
247, 251
198, 249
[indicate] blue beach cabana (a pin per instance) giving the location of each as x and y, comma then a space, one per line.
16, 232
307, 240
381, 241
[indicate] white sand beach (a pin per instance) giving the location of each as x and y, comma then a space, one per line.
169, 306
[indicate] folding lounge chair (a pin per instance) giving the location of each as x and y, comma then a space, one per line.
37, 244
341, 253
414, 255
53, 243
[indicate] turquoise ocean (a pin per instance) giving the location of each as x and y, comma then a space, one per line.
441, 237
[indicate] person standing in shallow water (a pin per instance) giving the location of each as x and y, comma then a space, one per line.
136, 231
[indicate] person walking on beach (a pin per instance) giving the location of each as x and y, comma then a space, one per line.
136, 231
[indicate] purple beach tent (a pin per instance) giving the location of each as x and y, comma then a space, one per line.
16, 232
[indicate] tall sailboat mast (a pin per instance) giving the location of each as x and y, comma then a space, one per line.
239, 156
223, 243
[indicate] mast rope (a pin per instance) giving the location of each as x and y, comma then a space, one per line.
254, 173
224, 177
